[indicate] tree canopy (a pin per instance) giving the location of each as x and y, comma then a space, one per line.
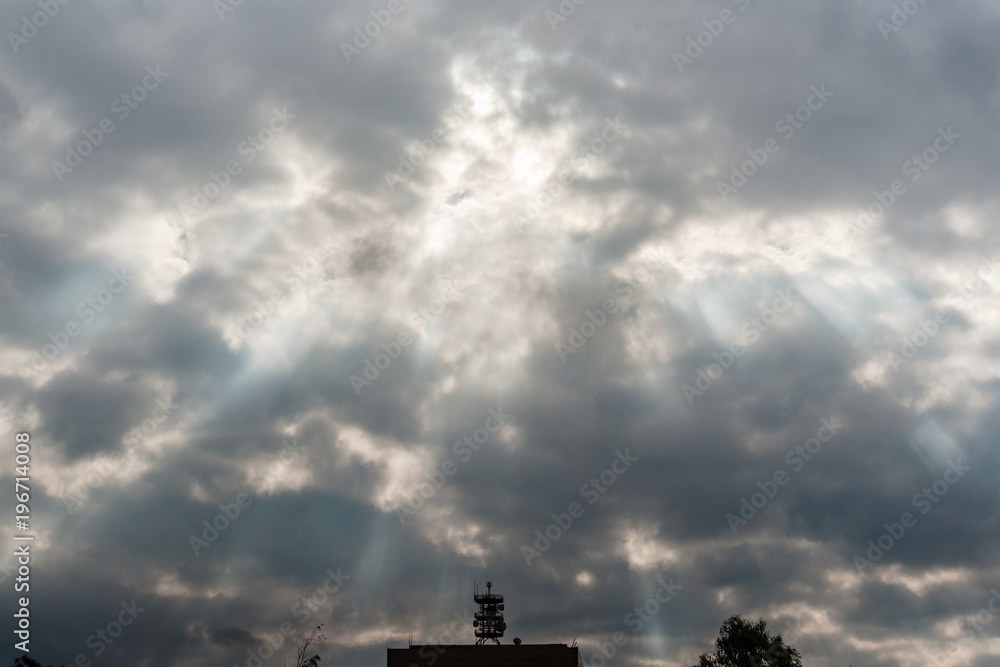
28, 661
742, 643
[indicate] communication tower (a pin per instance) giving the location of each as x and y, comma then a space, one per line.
488, 621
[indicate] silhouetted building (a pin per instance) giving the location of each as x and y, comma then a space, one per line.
485, 655
489, 627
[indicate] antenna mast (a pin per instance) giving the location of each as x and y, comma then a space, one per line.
488, 621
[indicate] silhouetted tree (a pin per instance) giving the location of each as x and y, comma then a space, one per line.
302, 645
745, 644
28, 661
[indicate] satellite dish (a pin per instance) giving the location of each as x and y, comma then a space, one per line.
501, 626
500, 606
475, 624
517, 641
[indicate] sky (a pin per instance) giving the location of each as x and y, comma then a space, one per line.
649, 313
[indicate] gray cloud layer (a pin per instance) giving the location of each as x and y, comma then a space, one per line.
293, 283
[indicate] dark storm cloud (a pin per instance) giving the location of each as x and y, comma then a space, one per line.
272, 269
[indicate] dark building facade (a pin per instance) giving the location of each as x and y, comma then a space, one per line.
486, 655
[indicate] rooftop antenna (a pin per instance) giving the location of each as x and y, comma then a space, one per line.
488, 621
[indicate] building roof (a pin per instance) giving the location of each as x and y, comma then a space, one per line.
485, 655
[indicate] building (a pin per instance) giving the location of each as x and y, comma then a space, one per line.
489, 627
485, 655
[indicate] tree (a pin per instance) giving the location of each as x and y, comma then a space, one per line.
28, 661
302, 645
745, 644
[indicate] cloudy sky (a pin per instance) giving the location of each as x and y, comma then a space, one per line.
651, 313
